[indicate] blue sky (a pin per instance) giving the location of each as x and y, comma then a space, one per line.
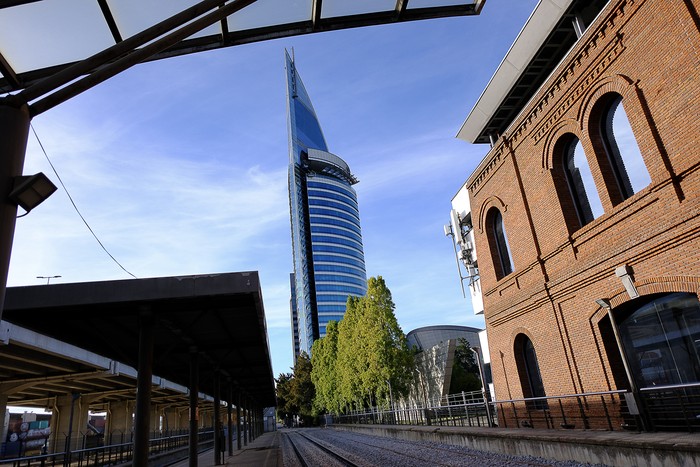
180, 165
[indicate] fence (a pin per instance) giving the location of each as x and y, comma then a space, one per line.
600, 410
664, 408
112, 454
672, 408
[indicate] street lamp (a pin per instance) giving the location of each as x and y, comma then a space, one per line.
48, 278
632, 398
483, 387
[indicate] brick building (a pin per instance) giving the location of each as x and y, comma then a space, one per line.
587, 206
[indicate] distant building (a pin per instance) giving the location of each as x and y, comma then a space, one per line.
294, 315
429, 336
584, 211
329, 262
434, 361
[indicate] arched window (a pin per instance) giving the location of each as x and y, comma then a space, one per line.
500, 251
661, 339
623, 152
579, 179
529, 371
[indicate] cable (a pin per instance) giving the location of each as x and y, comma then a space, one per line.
74, 205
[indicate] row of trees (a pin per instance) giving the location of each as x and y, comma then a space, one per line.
363, 360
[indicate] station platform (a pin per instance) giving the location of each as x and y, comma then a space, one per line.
261, 452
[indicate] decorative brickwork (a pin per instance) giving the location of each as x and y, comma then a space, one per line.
646, 52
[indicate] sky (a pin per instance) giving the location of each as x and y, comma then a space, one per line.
179, 166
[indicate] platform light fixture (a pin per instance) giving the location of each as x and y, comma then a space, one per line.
603, 303
31, 190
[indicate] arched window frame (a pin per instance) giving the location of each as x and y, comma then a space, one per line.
578, 196
529, 372
619, 160
597, 113
498, 244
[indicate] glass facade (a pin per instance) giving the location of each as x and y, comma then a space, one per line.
329, 262
661, 339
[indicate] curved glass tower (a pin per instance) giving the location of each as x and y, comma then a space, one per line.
329, 262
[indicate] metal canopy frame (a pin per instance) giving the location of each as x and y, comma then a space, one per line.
318, 21
170, 332
219, 317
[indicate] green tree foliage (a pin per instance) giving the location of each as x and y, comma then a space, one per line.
303, 391
324, 354
372, 354
465, 370
350, 359
285, 410
295, 391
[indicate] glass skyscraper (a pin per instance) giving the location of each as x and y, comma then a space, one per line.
329, 262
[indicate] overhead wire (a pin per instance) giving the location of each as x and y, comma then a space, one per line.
75, 206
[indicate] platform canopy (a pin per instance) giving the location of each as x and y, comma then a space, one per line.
219, 317
40, 37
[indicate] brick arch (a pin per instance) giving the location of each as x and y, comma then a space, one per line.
518, 354
490, 202
651, 286
591, 114
515, 332
620, 84
568, 125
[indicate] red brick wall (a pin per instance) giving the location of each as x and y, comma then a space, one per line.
649, 52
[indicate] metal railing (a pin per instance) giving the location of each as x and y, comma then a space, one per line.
659, 408
605, 410
113, 453
600, 410
672, 408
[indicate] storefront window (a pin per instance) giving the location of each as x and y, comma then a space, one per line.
661, 339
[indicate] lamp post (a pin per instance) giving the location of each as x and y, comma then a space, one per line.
391, 400
633, 403
48, 278
483, 387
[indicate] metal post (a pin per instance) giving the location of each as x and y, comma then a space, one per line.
194, 397
238, 421
14, 131
630, 378
246, 423
484, 392
144, 378
217, 420
230, 419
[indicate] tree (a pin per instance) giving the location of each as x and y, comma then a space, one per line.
465, 370
295, 391
302, 393
285, 411
324, 354
349, 361
373, 355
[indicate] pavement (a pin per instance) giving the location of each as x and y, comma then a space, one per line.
263, 451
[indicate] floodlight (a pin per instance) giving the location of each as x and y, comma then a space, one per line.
603, 302
31, 190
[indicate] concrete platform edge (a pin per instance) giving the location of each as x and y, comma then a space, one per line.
601, 447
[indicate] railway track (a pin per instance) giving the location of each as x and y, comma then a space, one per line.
321, 447
310, 452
